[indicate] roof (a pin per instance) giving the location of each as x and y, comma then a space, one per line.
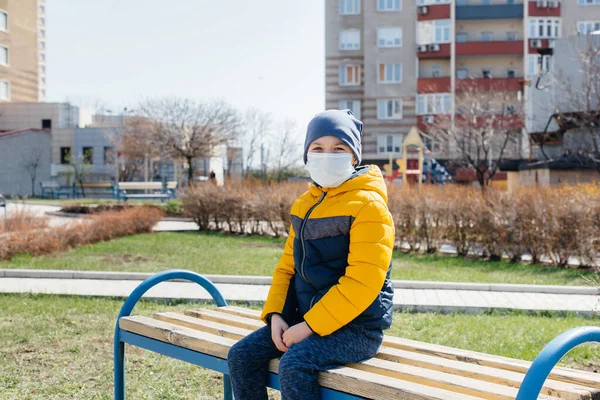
21, 132
565, 162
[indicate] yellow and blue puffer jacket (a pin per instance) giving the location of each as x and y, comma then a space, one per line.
336, 264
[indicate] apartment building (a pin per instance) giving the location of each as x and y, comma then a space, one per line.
402, 63
20, 34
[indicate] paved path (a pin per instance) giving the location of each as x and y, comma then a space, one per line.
415, 299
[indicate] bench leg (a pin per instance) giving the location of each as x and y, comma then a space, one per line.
120, 371
227, 389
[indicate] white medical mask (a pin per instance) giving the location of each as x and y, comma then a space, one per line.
329, 170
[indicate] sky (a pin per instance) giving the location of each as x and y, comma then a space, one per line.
267, 54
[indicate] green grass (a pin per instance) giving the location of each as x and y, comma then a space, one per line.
212, 253
59, 347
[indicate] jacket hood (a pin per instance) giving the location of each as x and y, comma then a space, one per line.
368, 178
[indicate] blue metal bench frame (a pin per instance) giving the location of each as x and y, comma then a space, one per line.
530, 388
3, 204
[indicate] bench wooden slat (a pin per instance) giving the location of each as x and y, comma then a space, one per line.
581, 378
445, 378
344, 379
229, 319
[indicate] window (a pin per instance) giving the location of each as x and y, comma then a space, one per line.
535, 62
65, 155
544, 28
390, 73
3, 21
387, 144
42, 9
434, 103
436, 71
350, 40
42, 57
349, 7
352, 105
588, 2
42, 69
42, 21
442, 31
585, 27
462, 73
487, 36
511, 73
43, 81
109, 155
389, 109
42, 45
512, 35
42, 33
389, 5
88, 155
349, 75
389, 37
462, 37
46, 124
3, 55
4, 90
486, 73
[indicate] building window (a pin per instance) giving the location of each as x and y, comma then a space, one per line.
389, 5
442, 31
350, 40
511, 73
585, 27
42, 21
462, 73
109, 155
42, 57
487, 36
511, 36
436, 71
434, 103
46, 124
42, 33
88, 155
389, 37
42, 9
387, 144
390, 73
349, 7
3, 21
3, 55
4, 90
535, 62
389, 109
352, 105
486, 73
462, 37
349, 75
42, 69
588, 2
42, 93
42, 45
65, 155
544, 28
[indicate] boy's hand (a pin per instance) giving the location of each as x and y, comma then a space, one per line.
296, 334
278, 327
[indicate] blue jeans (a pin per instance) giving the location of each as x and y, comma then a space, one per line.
299, 367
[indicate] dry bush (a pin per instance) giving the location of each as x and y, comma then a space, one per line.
110, 225
20, 221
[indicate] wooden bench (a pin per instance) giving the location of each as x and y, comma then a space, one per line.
124, 190
403, 369
53, 190
93, 189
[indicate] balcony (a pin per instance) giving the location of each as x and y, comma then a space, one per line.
548, 11
493, 48
501, 11
443, 52
434, 11
489, 85
433, 85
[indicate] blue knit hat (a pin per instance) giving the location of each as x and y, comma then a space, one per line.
339, 123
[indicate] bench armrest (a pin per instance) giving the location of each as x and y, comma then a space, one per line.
550, 355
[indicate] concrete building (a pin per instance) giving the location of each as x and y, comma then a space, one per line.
23, 154
401, 63
22, 50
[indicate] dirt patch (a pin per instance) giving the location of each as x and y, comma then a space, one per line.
261, 246
119, 258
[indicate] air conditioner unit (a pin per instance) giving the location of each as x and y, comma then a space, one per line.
536, 43
429, 119
553, 4
542, 3
434, 47
423, 10
422, 48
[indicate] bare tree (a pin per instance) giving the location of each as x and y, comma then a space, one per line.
258, 128
286, 148
82, 167
485, 125
186, 129
32, 162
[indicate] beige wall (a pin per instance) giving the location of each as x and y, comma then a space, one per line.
497, 65
474, 29
425, 68
574, 13
22, 42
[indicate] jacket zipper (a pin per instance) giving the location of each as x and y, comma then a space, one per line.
302, 235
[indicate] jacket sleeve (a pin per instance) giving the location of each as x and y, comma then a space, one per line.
371, 245
284, 271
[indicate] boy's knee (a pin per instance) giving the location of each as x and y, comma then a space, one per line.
292, 362
237, 355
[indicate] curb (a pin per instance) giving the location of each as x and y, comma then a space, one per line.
266, 280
